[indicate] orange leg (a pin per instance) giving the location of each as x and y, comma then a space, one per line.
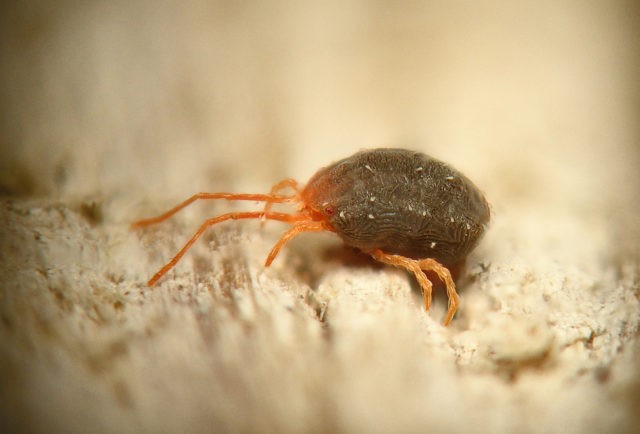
287, 218
301, 226
269, 198
416, 266
285, 183
445, 276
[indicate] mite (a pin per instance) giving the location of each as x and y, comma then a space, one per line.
402, 207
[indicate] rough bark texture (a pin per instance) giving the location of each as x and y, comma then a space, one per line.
113, 111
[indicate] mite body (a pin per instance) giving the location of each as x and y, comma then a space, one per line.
400, 202
401, 207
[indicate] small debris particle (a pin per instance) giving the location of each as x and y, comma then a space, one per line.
370, 216
92, 211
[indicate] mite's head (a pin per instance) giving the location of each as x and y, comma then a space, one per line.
324, 194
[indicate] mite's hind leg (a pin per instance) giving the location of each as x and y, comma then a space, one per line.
444, 274
417, 267
409, 265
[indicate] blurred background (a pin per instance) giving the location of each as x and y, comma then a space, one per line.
165, 98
